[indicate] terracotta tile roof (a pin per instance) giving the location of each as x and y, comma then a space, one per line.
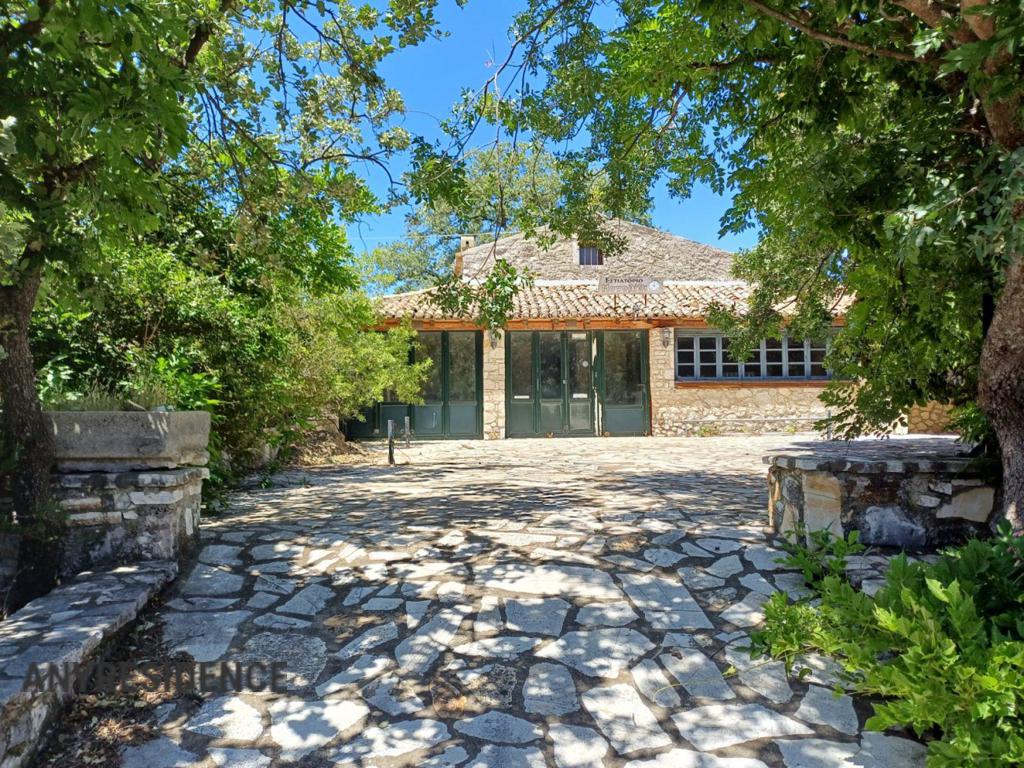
557, 301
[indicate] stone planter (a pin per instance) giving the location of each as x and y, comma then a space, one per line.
130, 484
896, 500
99, 441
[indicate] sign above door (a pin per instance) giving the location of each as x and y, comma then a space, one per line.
617, 286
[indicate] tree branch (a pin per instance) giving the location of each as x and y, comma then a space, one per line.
201, 36
831, 39
980, 23
934, 16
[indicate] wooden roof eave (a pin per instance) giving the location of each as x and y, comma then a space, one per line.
561, 323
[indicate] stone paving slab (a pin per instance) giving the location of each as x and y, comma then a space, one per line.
577, 603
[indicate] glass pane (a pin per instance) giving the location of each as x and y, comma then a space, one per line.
521, 366
773, 357
708, 346
579, 366
730, 368
430, 348
796, 357
462, 367
550, 365
752, 367
684, 357
818, 359
590, 256
622, 373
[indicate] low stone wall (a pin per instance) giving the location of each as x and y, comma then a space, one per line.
127, 517
722, 408
72, 625
112, 441
129, 485
910, 503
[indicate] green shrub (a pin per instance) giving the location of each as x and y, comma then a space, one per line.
942, 643
267, 329
819, 553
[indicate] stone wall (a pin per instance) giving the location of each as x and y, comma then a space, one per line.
930, 419
129, 485
645, 252
724, 408
127, 517
494, 385
907, 503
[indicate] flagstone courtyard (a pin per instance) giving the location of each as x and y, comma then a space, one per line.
569, 603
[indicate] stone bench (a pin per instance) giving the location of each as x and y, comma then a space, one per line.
908, 493
71, 625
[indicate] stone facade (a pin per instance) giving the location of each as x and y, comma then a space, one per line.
685, 280
930, 419
494, 385
908, 503
725, 407
126, 517
645, 252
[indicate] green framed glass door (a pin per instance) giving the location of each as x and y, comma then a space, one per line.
428, 418
549, 383
623, 386
579, 382
464, 384
520, 394
453, 392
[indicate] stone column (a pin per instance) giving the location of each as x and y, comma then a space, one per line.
494, 385
662, 375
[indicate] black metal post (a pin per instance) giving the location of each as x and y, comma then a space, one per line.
391, 441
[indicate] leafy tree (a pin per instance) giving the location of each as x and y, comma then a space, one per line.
501, 188
504, 189
876, 146
190, 316
265, 102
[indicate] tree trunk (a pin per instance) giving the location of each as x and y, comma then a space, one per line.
1001, 388
27, 448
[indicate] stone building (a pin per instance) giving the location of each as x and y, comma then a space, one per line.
602, 344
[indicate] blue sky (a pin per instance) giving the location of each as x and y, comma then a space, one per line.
431, 78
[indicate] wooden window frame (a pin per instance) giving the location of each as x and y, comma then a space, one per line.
598, 254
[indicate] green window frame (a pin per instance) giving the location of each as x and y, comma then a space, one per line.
704, 356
